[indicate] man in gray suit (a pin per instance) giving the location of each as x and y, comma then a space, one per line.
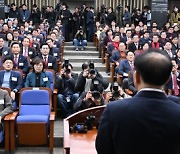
5, 104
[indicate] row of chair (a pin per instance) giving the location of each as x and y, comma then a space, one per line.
33, 124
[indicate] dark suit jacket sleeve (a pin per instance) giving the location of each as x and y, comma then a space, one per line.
80, 104
27, 83
80, 83
26, 66
55, 64
19, 82
104, 142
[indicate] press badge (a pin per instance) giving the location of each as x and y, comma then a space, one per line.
21, 64
14, 79
5, 52
68, 99
30, 52
49, 64
45, 79
54, 45
1, 101
55, 54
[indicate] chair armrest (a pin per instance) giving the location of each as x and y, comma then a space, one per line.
55, 91
13, 115
52, 116
7, 117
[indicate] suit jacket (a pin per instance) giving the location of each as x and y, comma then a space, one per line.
15, 80
132, 47
22, 63
124, 67
6, 103
5, 51
147, 123
55, 52
51, 63
31, 80
169, 84
31, 52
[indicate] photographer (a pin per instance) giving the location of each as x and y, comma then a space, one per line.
87, 76
92, 98
116, 93
80, 40
65, 83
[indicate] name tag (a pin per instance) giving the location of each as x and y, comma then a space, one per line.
30, 52
55, 54
49, 64
5, 52
38, 39
45, 79
54, 45
19, 41
14, 79
21, 64
34, 45
2, 101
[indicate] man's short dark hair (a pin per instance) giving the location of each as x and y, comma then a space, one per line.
14, 44
7, 58
153, 66
44, 44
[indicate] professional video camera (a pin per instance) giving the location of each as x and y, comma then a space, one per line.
115, 92
91, 68
84, 127
95, 93
66, 65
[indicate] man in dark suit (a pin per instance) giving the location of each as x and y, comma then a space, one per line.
20, 62
3, 50
27, 51
126, 65
147, 123
174, 80
54, 51
135, 44
50, 61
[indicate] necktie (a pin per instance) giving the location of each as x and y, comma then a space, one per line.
176, 90
132, 65
45, 60
16, 60
25, 52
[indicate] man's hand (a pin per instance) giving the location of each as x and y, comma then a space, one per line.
13, 95
88, 96
108, 97
85, 73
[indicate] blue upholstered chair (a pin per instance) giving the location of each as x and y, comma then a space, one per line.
34, 122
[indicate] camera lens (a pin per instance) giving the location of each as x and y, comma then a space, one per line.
92, 71
96, 94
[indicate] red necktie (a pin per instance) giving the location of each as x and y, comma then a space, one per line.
25, 52
176, 90
45, 60
16, 60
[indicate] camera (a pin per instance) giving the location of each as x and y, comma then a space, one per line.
115, 93
68, 71
95, 93
92, 71
89, 121
66, 63
79, 127
91, 65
